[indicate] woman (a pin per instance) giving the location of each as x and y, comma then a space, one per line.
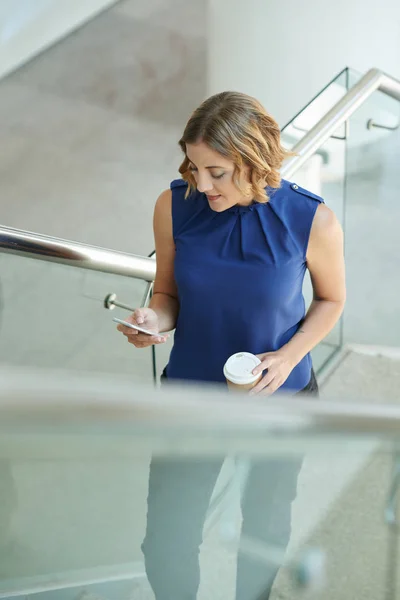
233, 243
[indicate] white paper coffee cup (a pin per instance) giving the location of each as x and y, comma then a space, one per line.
238, 371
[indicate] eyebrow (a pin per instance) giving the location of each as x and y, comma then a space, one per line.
211, 167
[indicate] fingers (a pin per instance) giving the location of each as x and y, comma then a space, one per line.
263, 384
140, 340
270, 389
139, 316
265, 365
142, 317
127, 330
267, 361
277, 369
149, 341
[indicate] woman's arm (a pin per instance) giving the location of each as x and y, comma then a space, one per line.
325, 261
160, 316
165, 296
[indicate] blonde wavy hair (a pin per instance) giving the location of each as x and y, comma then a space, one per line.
239, 128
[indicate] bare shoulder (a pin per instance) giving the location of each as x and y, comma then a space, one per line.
165, 246
325, 226
325, 256
162, 222
164, 203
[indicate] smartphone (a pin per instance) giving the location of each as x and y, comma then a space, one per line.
146, 331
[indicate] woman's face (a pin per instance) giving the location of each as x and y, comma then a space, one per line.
214, 177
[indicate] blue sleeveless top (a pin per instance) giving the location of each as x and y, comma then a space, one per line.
239, 275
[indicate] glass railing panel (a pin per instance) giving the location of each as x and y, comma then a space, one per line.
74, 492
323, 174
372, 314
349, 536
53, 316
74, 500
317, 108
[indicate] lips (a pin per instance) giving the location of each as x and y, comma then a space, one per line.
213, 198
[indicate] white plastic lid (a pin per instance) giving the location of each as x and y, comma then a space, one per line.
238, 368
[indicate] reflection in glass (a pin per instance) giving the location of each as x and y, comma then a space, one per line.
372, 215
324, 174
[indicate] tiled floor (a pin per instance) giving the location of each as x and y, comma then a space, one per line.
90, 128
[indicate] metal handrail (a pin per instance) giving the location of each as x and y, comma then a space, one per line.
43, 247
63, 399
76, 254
372, 81
371, 125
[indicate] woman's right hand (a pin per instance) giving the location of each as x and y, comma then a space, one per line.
148, 319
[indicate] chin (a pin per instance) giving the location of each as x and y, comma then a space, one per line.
218, 206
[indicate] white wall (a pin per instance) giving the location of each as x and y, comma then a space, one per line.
285, 51
29, 26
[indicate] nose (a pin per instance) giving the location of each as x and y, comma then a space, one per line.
204, 183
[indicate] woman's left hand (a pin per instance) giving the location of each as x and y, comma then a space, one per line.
278, 368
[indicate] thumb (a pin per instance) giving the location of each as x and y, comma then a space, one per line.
266, 362
139, 316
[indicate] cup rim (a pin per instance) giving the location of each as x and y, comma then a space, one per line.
242, 379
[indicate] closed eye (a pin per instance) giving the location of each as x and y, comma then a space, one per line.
194, 170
